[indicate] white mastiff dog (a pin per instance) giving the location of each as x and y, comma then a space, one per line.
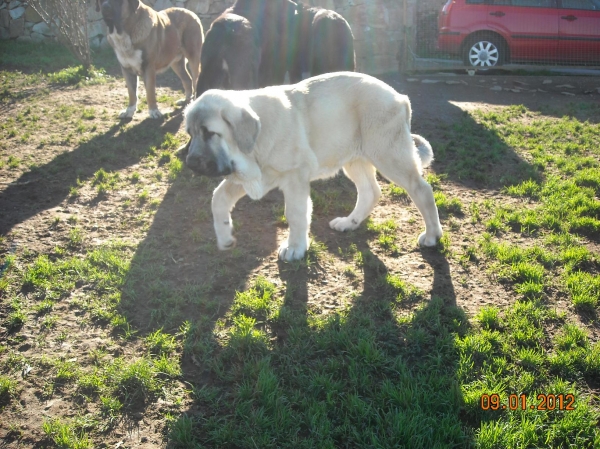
287, 136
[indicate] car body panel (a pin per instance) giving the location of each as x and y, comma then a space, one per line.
534, 30
531, 32
579, 31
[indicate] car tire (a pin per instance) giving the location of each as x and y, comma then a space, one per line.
484, 51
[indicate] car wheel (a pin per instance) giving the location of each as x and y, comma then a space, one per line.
484, 51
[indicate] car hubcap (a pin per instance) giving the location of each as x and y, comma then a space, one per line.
483, 54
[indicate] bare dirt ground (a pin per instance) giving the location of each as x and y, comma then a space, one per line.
38, 212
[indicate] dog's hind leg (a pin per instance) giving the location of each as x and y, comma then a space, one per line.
223, 201
362, 173
181, 70
406, 174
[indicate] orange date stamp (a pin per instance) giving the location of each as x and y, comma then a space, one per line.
520, 402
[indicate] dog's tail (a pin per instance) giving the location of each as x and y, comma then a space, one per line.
424, 149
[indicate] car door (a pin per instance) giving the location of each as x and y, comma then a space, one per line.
579, 30
529, 26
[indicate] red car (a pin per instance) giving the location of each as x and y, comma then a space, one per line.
486, 33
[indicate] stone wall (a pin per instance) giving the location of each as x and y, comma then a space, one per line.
377, 24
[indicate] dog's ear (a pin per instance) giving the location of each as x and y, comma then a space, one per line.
133, 5
244, 124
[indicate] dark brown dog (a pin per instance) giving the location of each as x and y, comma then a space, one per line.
147, 42
231, 55
248, 46
323, 42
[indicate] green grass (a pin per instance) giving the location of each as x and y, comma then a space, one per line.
8, 389
79, 76
280, 357
66, 435
48, 57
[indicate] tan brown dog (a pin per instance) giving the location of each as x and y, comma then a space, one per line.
147, 42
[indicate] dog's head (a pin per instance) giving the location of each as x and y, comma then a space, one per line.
115, 12
223, 130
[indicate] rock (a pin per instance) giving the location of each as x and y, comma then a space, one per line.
453, 82
199, 6
17, 12
4, 34
163, 4
37, 37
14, 4
430, 81
42, 28
4, 18
496, 88
16, 27
92, 14
96, 28
31, 15
547, 82
180, 4
565, 86
570, 94
412, 80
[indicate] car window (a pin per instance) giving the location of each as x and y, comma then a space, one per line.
593, 5
475, 2
533, 3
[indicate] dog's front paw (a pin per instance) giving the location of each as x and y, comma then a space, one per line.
289, 253
344, 224
183, 101
428, 240
155, 114
229, 243
128, 112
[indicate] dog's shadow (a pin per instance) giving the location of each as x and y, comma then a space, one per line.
48, 185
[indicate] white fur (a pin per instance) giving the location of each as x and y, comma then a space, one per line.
129, 57
128, 112
309, 131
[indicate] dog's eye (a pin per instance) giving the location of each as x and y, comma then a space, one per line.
206, 134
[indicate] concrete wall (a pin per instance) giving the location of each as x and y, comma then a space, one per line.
377, 24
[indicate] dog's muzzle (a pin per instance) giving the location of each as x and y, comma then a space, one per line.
207, 166
203, 160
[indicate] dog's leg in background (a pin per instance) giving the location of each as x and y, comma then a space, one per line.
150, 84
224, 198
180, 69
298, 210
362, 173
131, 80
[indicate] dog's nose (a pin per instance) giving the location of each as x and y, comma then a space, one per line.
206, 166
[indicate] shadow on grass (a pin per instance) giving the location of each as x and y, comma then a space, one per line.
46, 186
467, 152
378, 370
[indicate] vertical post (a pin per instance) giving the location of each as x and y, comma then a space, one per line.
406, 59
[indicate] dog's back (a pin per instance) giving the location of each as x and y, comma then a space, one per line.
333, 44
360, 112
231, 55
